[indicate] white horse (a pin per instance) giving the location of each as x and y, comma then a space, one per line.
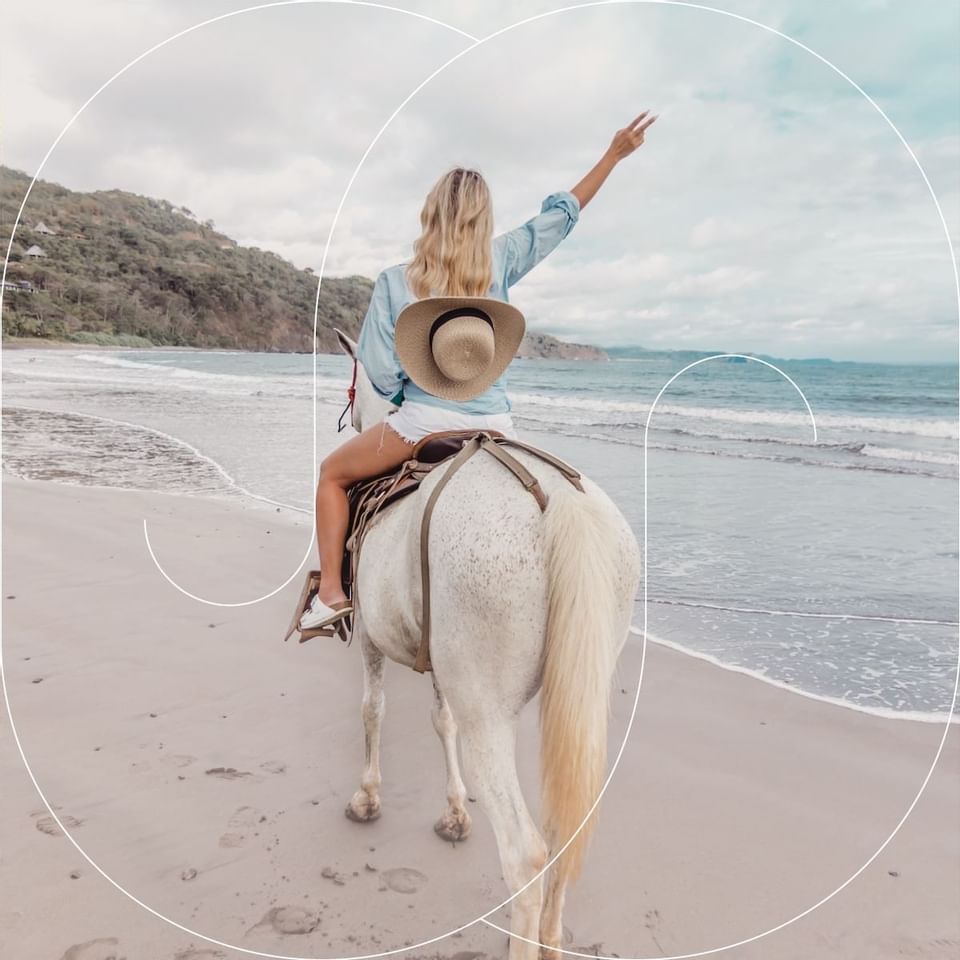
521, 602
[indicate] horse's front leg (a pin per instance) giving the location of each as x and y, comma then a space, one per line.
455, 823
365, 804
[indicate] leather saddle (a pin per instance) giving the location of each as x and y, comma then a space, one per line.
368, 498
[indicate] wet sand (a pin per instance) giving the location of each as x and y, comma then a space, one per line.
205, 765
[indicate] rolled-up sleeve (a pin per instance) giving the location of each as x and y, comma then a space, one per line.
526, 246
375, 348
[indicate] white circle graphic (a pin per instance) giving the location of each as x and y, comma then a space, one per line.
474, 44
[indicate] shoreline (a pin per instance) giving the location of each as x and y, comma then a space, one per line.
43, 343
242, 496
881, 713
204, 766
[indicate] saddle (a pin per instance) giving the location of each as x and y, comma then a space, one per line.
370, 497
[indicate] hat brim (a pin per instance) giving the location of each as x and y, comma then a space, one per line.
412, 340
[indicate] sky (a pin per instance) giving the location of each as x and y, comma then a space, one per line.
771, 210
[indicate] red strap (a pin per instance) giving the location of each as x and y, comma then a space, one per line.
352, 389
351, 395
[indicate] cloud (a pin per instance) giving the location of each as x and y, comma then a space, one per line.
714, 282
714, 231
772, 209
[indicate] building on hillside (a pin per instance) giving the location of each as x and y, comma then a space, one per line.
41, 227
35, 251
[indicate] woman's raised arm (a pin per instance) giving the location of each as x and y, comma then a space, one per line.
624, 142
528, 244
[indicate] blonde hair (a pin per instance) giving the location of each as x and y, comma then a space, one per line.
452, 255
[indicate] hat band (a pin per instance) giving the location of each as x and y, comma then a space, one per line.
457, 312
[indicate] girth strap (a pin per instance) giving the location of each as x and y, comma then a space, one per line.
481, 441
422, 663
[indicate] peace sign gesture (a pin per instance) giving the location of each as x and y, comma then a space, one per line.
627, 140
624, 142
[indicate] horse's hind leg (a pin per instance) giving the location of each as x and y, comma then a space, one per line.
455, 822
365, 804
489, 749
551, 920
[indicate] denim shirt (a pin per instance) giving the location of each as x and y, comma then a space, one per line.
514, 254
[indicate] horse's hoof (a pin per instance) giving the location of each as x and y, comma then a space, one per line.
551, 937
453, 826
363, 808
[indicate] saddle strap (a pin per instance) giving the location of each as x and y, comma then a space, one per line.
422, 663
571, 473
530, 483
493, 446
371, 501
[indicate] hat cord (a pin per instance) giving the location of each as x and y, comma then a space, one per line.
457, 312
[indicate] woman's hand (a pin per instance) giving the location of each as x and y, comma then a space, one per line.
627, 140
624, 142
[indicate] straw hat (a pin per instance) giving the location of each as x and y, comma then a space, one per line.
456, 347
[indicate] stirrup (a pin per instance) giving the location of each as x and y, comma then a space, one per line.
343, 627
331, 614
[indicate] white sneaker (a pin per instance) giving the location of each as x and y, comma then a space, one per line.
318, 614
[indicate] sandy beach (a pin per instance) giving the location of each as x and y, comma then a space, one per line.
204, 765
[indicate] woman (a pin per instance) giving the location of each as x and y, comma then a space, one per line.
456, 255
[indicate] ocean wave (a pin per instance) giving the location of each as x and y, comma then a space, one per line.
160, 374
861, 447
165, 371
111, 360
577, 410
922, 427
887, 713
86, 450
851, 446
810, 614
913, 456
905, 467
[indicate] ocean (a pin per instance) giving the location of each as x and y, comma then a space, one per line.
827, 566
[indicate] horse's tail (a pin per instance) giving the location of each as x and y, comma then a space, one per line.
584, 616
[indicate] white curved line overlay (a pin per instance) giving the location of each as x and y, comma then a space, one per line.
476, 43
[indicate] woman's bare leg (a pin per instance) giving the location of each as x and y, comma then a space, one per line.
375, 451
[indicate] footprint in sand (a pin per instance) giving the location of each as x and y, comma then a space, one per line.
403, 879
178, 760
245, 817
593, 950
239, 825
105, 948
204, 953
227, 773
49, 826
290, 920
328, 873
274, 766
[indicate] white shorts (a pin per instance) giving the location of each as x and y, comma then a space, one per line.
413, 421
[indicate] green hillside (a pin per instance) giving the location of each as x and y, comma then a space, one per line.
121, 266
118, 268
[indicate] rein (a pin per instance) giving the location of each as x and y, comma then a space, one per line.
351, 396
